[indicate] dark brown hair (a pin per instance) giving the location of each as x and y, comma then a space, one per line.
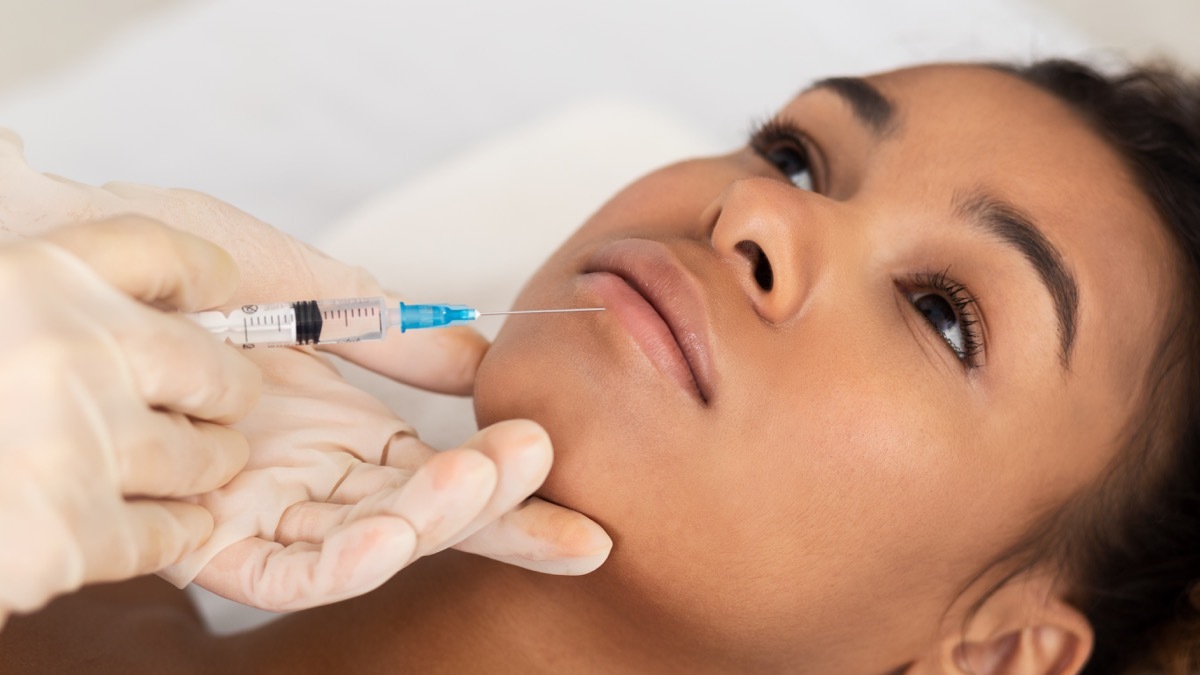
1129, 547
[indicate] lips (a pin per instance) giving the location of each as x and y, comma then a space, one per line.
661, 305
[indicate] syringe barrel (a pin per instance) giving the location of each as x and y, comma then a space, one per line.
301, 323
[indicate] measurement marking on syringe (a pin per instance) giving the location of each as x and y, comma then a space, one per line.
258, 322
346, 314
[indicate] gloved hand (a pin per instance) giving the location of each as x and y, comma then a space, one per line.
111, 407
339, 495
285, 537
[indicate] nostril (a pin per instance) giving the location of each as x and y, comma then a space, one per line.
758, 259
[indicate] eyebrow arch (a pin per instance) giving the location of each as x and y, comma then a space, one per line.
870, 106
1017, 229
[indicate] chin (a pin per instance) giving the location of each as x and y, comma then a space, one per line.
514, 382
507, 387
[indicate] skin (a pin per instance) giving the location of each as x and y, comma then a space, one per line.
848, 475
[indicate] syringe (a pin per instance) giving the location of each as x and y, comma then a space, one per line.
311, 322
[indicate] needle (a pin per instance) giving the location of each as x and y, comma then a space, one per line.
544, 311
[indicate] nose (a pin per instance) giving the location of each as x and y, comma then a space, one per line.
778, 238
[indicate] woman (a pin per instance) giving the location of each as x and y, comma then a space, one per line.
907, 385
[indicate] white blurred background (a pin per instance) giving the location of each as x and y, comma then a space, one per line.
298, 110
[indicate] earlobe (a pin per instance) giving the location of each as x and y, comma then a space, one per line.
1024, 628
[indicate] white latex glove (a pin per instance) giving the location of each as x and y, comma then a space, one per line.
111, 407
271, 548
339, 495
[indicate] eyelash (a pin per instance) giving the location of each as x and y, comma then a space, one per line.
774, 133
965, 306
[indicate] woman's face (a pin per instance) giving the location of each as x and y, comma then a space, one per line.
839, 372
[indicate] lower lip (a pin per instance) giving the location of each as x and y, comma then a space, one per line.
644, 324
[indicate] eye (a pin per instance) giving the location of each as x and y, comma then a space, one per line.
948, 307
793, 164
783, 146
938, 312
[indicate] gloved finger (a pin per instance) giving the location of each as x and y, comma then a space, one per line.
349, 562
178, 366
159, 534
363, 480
152, 262
311, 522
404, 450
542, 537
438, 501
170, 455
443, 360
400, 458
522, 454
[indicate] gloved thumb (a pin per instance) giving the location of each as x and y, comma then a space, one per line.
536, 534
543, 537
440, 359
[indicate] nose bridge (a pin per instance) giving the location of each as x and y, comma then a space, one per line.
800, 235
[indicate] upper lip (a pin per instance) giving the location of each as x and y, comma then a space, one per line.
651, 269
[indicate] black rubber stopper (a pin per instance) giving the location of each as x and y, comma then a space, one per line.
308, 322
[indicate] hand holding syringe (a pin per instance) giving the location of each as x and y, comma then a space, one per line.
339, 493
311, 322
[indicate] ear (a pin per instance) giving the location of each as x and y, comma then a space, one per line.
1025, 627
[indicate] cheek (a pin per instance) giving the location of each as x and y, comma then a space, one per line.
852, 506
666, 202
852, 465
818, 490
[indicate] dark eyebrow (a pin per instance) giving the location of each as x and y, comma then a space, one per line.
1017, 229
870, 106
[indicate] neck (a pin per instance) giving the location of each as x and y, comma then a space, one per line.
460, 613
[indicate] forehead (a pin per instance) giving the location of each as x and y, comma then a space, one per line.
959, 128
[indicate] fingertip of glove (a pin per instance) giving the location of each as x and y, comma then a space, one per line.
380, 546
194, 517
518, 435
583, 546
586, 539
580, 566
462, 467
195, 525
563, 567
